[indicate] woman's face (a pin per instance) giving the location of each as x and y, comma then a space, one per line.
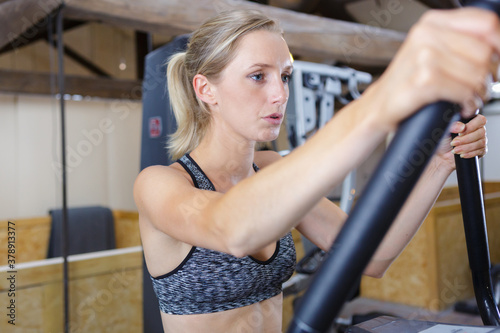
252, 91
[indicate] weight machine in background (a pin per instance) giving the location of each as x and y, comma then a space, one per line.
315, 90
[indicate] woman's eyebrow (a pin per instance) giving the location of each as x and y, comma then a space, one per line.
263, 65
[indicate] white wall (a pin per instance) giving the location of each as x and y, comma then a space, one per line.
491, 162
103, 154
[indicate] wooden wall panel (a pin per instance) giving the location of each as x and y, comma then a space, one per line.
29, 311
410, 278
126, 229
454, 281
105, 293
492, 207
7, 60
31, 239
80, 40
32, 236
107, 303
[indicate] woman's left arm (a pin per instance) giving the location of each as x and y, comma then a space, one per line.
322, 224
470, 142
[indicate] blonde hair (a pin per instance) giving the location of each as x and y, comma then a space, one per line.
210, 49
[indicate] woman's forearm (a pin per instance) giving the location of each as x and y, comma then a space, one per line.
411, 216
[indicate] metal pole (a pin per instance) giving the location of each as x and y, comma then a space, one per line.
60, 56
476, 236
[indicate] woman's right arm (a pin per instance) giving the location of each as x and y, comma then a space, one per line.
260, 209
445, 57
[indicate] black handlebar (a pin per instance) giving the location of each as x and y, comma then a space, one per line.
471, 198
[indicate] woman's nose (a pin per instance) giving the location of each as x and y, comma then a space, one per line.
279, 93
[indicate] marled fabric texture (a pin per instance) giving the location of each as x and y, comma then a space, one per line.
211, 281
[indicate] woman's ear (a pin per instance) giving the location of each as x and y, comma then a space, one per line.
204, 89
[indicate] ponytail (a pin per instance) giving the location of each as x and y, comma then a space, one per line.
191, 115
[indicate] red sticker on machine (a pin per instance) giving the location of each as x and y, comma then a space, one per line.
155, 127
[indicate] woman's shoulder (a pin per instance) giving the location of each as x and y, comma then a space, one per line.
152, 176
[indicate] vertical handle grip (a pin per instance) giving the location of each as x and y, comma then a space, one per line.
476, 236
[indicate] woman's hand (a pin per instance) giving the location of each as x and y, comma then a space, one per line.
447, 56
471, 141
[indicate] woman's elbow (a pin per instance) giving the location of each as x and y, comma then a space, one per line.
236, 243
377, 269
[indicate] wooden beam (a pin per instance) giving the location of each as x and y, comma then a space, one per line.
41, 34
440, 4
307, 35
22, 19
39, 83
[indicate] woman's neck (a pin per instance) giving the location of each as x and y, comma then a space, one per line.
225, 160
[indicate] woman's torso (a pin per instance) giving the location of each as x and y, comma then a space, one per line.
261, 316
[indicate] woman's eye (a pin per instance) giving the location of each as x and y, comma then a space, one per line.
257, 77
286, 78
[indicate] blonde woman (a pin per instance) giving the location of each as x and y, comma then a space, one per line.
215, 225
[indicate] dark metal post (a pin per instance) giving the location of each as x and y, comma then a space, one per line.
60, 55
476, 236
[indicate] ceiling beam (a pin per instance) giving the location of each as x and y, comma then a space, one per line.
20, 20
82, 61
23, 82
41, 34
307, 35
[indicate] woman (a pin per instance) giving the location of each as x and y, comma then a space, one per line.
215, 231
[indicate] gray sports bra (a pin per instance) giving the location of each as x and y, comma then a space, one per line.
210, 281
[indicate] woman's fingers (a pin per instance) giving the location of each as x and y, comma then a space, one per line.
471, 150
471, 140
477, 22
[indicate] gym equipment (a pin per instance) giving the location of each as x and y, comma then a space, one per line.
314, 88
406, 158
158, 122
387, 324
471, 197
313, 91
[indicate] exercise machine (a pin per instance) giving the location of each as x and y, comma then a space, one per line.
414, 144
157, 124
314, 90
